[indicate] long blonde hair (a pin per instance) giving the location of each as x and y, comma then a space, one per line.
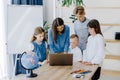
38, 30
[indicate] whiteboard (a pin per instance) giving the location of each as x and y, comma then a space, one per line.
21, 22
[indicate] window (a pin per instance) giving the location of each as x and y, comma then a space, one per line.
27, 2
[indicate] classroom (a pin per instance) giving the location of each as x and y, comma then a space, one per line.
60, 28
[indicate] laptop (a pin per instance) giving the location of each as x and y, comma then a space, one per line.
61, 59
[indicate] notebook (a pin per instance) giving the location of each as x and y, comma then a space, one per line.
61, 59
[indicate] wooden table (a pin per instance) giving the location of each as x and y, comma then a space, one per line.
47, 72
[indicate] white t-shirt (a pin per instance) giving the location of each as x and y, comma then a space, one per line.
77, 54
95, 50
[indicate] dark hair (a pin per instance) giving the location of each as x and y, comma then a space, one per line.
57, 22
74, 35
95, 24
38, 30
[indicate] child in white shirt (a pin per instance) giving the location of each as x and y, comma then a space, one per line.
74, 49
95, 49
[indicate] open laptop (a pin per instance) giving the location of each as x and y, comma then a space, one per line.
60, 59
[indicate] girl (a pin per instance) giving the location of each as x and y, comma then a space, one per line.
80, 26
39, 45
58, 37
95, 49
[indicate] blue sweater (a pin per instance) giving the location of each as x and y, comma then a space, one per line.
63, 41
40, 50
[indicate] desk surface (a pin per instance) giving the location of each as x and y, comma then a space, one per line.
47, 72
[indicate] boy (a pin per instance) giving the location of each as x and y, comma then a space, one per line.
80, 26
74, 49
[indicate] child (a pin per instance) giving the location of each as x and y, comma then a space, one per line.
74, 49
39, 45
95, 49
80, 26
58, 37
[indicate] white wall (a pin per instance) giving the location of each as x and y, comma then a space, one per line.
5, 70
49, 10
21, 22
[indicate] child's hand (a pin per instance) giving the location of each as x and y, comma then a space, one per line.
87, 63
30, 52
65, 52
40, 63
83, 62
44, 62
80, 61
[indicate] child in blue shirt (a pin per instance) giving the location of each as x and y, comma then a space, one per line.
58, 37
38, 47
39, 44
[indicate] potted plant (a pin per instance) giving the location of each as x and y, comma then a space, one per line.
68, 3
46, 27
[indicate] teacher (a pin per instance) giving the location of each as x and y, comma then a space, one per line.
58, 37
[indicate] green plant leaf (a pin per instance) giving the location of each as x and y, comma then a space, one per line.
44, 23
69, 2
72, 15
63, 2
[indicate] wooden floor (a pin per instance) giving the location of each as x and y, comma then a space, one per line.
110, 72
110, 75
115, 57
111, 68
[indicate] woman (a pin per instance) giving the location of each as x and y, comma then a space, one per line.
58, 37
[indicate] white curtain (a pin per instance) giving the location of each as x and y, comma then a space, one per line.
3, 55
